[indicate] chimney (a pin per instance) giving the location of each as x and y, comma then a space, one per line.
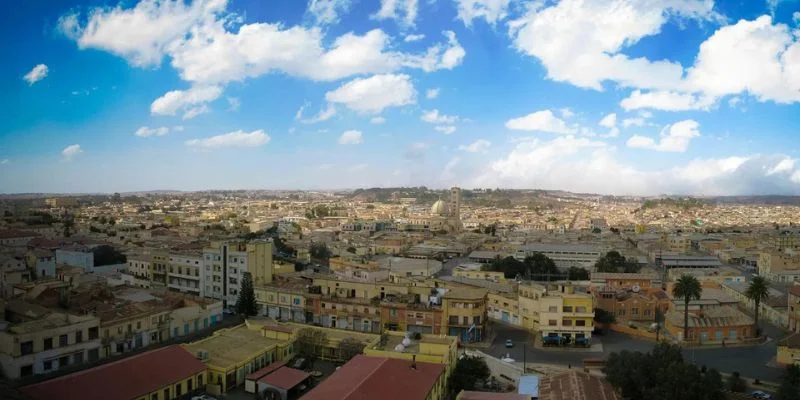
413, 361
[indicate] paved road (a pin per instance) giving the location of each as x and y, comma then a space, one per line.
447, 267
751, 362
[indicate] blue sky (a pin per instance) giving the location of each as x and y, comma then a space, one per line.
605, 96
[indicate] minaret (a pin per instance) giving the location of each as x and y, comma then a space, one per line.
455, 208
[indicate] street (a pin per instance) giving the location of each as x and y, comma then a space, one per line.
751, 362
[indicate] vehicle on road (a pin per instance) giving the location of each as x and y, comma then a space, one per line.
758, 394
509, 343
507, 359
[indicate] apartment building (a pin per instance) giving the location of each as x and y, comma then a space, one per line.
185, 272
35, 340
141, 265
779, 266
504, 308
42, 262
560, 314
465, 313
76, 255
564, 255
224, 264
285, 302
159, 264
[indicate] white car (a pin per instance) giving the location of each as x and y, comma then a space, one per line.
507, 359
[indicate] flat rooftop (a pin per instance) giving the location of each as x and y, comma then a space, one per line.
231, 346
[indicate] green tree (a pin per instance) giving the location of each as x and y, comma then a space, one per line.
757, 291
107, 255
687, 288
736, 383
310, 342
509, 266
349, 348
790, 384
320, 252
603, 316
246, 303
613, 261
469, 370
577, 274
541, 266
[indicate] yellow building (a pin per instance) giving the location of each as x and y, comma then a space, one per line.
230, 354
561, 314
437, 349
789, 350
285, 302
504, 308
494, 276
464, 313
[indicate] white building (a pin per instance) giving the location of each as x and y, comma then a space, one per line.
76, 256
564, 255
185, 272
225, 262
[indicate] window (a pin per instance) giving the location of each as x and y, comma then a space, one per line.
647, 312
552, 322
453, 320
94, 355
466, 320
580, 322
566, 322
63, 361
568, 309
26, 348
634, 311
138, 325
580, 309
297, 301
62, 340
476, 320
78, 358
26, 370
154, 396
94, 333
166, 393
178, 389
78, 336
47, 365
552, 309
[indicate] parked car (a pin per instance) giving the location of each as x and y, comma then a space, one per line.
509, 343
761, 395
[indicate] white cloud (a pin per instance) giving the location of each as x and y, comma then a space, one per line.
404, 11
142, 34
147, 132
36, 74
796, 17
323, 115
784, 166
796, 177
299, 114
628, 122
377, 120
195, 111
491, 10
233, 139
581, 41
588, 166
446, 129
609, 121
674, 138
566, 112
432, 93
5, 161
71, 151
734, 101
374, 94
757, 57
416, 151
543, 121
438, 56
666, 100
477, 146
177, 128
413, 38
351, 137
234, 104
173, 101
327, 11
433, 117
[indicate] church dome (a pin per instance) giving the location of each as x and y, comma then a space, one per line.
439, 208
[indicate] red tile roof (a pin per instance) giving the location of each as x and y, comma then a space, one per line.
125, 379
575, 385
13, 233
285, 378
264, 371
364, 378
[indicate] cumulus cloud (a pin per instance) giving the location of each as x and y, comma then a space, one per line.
673, 138
477, 146
71, 151
233, 139
666, 100
377, 120
36, 74
446, 129
785, 166
490, 10
438, 57
609, 121
351, 137
413, 38
543, 121
584, 165
147, 132
374, 94
432, 93
403, 11
433, 117
195, 111
327, 11
323, 115
234, 104
635, 121
184, 100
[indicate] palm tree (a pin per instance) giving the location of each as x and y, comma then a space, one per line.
757, 291
687, 288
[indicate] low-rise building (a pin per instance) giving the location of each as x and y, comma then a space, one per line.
184, 274
37, 340
774, 309
793, 311
723, 324
564, 255
465, 313
162, 374
789, 350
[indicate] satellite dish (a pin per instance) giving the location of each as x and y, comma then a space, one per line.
406, 342
399, 348
635, 288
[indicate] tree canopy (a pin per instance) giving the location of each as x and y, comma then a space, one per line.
661, 374
349, 348
537, 267
309, 343
790, 384
469, 370
757, 291
320, 252
107, 255
577, 274
613, 261
687, 288
246, 303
